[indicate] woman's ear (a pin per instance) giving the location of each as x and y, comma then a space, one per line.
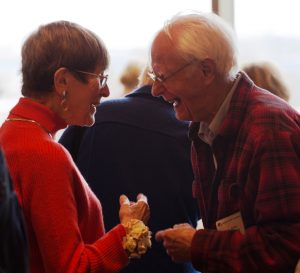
60, 80
208, 67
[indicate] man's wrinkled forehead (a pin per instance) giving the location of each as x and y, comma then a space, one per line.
162, 50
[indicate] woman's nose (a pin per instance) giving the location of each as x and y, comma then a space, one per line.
104, 91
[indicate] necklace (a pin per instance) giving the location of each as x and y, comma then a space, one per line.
31, 121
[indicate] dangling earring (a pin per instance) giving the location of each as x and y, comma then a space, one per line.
64, 101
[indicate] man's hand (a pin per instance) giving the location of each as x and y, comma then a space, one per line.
177, 241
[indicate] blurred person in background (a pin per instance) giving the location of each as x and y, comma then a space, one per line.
13, 239
129, 77
63, 73
137, 144
268, 76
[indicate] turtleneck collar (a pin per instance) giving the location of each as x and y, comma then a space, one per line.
30, 109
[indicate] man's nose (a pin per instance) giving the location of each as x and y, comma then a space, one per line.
157, 89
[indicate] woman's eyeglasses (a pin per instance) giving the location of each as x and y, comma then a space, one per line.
102, 79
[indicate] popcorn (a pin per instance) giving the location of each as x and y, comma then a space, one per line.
138, 238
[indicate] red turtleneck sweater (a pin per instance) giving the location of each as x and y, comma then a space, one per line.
63, 216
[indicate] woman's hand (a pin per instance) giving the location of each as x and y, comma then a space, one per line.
134, 210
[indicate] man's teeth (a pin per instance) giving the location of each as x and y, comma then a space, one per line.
174, 102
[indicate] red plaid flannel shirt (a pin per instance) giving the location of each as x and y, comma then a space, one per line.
257, 151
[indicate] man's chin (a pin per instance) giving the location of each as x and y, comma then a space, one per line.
183, 117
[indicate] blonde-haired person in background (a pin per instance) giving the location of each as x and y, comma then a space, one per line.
130, 76
267, 75
144, 78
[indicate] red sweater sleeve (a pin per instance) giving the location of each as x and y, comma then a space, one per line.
104, 255
64, 218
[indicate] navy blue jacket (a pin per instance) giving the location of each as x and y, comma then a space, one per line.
13, 239
137, 145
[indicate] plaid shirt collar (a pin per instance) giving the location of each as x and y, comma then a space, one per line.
237, 110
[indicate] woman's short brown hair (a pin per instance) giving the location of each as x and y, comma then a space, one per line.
55, 45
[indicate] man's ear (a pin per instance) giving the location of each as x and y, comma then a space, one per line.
60, 80
208, 67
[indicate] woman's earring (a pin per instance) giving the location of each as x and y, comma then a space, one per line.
64, 101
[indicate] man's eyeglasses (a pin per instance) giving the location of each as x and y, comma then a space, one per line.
163, 78
102, 79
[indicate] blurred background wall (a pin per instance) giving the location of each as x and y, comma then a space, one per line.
266, 30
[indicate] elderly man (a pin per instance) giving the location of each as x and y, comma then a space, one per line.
245, 152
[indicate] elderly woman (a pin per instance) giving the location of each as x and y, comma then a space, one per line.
63, 66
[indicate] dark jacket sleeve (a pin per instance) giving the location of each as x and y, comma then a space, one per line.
71, 139
13, 242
